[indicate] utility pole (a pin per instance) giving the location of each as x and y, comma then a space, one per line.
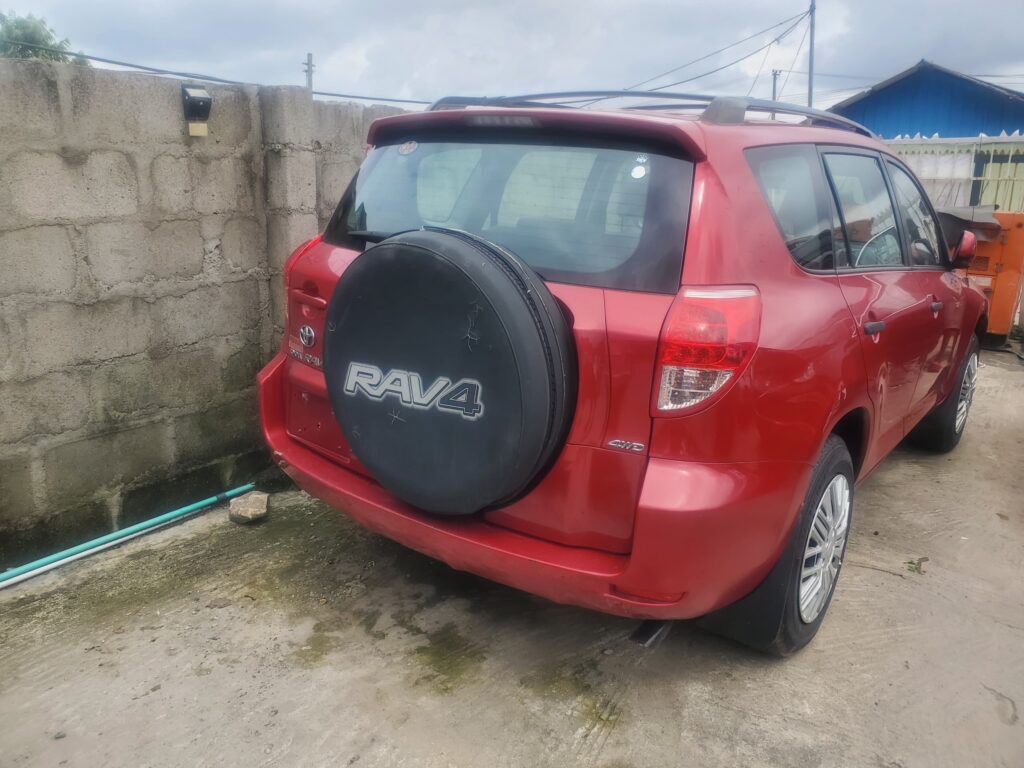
810, 59
308, 67
775, 84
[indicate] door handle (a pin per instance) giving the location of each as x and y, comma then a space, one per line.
874, 328
936, 306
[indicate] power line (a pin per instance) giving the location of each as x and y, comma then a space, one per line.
797, 56
143, 67
715, 53
829, 92
753, 84
370, 98
735, 61
828, 74
193, 75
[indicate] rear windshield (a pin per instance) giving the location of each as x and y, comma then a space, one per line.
609, 215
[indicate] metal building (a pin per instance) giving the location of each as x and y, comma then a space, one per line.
961, 135
929, 100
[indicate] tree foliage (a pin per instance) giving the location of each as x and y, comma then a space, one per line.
18, 33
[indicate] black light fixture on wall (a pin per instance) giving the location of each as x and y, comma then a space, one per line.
196, 102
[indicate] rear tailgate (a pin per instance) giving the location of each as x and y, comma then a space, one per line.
603, 221
589, 496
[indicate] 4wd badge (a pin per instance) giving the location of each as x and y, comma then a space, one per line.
464, 397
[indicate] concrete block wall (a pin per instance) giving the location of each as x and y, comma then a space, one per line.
339, 142
140, 287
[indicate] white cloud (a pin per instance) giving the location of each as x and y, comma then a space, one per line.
417, 49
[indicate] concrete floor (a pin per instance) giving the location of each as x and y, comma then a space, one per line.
306, 641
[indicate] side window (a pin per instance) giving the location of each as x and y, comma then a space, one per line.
922, 229
545, 184
441, 178
867, 211
791, 181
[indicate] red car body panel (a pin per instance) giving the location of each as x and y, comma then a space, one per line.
696, 517
684, 552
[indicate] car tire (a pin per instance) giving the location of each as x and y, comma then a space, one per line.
784, 612
940, 431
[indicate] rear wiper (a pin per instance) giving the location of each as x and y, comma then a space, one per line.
369, 235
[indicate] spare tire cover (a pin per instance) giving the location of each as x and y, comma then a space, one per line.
450, 368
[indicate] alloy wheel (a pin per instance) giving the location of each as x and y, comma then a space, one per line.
967, 387
823, 552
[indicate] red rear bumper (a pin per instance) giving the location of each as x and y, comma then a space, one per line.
705, 534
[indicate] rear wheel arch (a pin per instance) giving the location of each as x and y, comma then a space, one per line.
852, 428
981, 327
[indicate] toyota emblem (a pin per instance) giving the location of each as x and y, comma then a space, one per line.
307, 336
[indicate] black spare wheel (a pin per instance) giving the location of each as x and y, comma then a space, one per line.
451, 369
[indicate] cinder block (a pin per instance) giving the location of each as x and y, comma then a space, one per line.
240, 369
143, 385
339, 124
278, 305
220, 310
335, 173
16, 502
132, 251
47, 186
9, 364
170, 493
256, 467
30, 538
285, 233
286, 115
36, 260
217, 432
51, 404
243, 244
123, 108
172, 183
76, 471
291, 179
29, 101
62, 334
222, 184
231, 115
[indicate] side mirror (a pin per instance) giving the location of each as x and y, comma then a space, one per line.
965, 250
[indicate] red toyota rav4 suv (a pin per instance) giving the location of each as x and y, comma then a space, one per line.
631, 359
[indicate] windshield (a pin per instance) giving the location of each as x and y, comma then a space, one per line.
610, 215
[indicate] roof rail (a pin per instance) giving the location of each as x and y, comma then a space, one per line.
723, 110
727, 110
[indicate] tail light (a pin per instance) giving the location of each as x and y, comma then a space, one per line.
708, 338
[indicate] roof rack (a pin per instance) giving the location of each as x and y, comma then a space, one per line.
723, 110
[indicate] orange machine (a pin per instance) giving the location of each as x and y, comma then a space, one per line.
997, 270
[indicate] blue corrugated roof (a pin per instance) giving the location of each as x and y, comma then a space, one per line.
928, 99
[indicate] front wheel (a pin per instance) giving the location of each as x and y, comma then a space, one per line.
940, 431
784, 613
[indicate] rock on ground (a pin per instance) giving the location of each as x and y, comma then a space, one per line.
249, 507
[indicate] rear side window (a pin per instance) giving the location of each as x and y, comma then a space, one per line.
608, 214
790, 178
867, 211
922, 229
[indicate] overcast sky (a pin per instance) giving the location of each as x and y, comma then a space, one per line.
424, 49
